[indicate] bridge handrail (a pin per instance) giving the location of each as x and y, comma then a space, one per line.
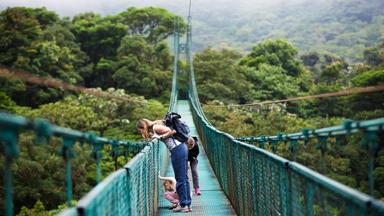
12, 125
225, 154
132, 190
347, 127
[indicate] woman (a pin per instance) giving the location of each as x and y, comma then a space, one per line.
179, 157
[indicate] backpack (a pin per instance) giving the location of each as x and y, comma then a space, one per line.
173, 121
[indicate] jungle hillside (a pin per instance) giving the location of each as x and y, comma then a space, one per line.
244, 52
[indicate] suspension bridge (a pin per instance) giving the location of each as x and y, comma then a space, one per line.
236, 178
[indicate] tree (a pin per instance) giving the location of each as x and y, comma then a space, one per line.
271, 82
325, 107
310, 59
156, 24
36, 41
275, 52
332, 73
219, 77
375, 56
6, 103
274, 70
18, 28
99, 37
142, 68
367, 102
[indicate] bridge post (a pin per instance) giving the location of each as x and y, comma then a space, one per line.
9, 137
96, 154
67, 153
370, 143
293, 148
115, 152
322, 145
309, 195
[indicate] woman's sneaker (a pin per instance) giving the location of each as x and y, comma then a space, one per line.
197, 191
179, 209
189, 209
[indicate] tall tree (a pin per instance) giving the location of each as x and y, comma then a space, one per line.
99, 37
219, 77
156, 24
35, 41
274, 70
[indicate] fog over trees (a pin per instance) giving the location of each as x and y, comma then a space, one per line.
344, 28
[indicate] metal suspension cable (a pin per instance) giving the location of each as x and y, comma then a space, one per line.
351, 91
193, 94
175, 87
189, 9
55, 83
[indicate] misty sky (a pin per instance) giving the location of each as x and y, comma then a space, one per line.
105, 7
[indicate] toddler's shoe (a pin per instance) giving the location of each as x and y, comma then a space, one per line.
172, 206
197, 191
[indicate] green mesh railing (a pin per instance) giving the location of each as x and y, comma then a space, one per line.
10, 128
131, 190
369, 130
258, 182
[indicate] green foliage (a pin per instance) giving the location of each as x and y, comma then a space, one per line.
275, 52
331, 73
219, 77
66, 114
274, 70
156, 24
99, 37
142, 68
271, 82
6, 103
375, 56
18, 27
38, 210
369, 78
242, 122
372, 101
127, 50
34, 40
324, 107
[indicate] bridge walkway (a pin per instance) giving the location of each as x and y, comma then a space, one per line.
213, 200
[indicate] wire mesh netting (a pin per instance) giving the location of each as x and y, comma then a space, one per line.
260, 183
131, 190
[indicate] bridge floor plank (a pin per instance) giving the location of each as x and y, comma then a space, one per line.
213, 200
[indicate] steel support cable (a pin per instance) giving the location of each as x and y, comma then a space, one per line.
192, 81
175, 88
16, 74
350, 91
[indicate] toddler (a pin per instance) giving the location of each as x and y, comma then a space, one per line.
170, 194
